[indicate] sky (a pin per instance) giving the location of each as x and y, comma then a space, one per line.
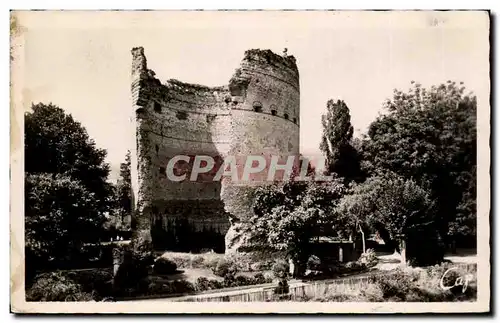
81, 61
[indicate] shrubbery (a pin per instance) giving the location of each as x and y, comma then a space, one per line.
203, 261
197, 261
96, 281
281, 268
368, 258
152, 286
314, 263
163, 266
133, 271
225, 267
408, 285
259, 278
56, 287
282, 287
338, 269
203, 283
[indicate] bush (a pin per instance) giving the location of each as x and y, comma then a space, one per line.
152, 286
202, 283
260, 279
211, 263
163, 266
225, 267
197, 261
350, 267
260, 266
314, 263
394, 287
229, 280
132, 272
244, 281
240, 280
215, 284
56, 287
282, 287
281, 268
96, 281
368, 258
181, 287
181, 262
408, 285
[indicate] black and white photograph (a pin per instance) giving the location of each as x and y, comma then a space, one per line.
271, 161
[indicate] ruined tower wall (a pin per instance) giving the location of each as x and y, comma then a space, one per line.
265, 122
140, 161
256, 114
173, 119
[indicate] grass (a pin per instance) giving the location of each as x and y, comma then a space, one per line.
193, 266
193, 261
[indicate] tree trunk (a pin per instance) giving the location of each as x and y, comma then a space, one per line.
402, 251
362, 238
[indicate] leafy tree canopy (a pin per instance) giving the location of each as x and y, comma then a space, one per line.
429, 135
57, 144
60, 215
289, 216
336, 142
66, 190
124, 195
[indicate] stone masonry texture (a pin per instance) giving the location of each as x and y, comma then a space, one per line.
256, 113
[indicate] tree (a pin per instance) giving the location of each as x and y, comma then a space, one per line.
57, 144
336, 142
67, 193
429, 135
124, 192
357, 206
60, 215
391, 203
288, 217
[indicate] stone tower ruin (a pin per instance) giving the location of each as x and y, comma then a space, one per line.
257, 113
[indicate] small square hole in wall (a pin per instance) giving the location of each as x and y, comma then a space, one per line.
273, 112
181, 115
157, 107
294, 120
257, 106
210, 117
163, 170
286, 116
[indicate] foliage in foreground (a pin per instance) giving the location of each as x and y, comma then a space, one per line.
203, 283
65, 286
406, 285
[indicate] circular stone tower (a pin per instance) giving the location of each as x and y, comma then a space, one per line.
265, 112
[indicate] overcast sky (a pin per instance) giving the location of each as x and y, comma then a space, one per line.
81, 61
